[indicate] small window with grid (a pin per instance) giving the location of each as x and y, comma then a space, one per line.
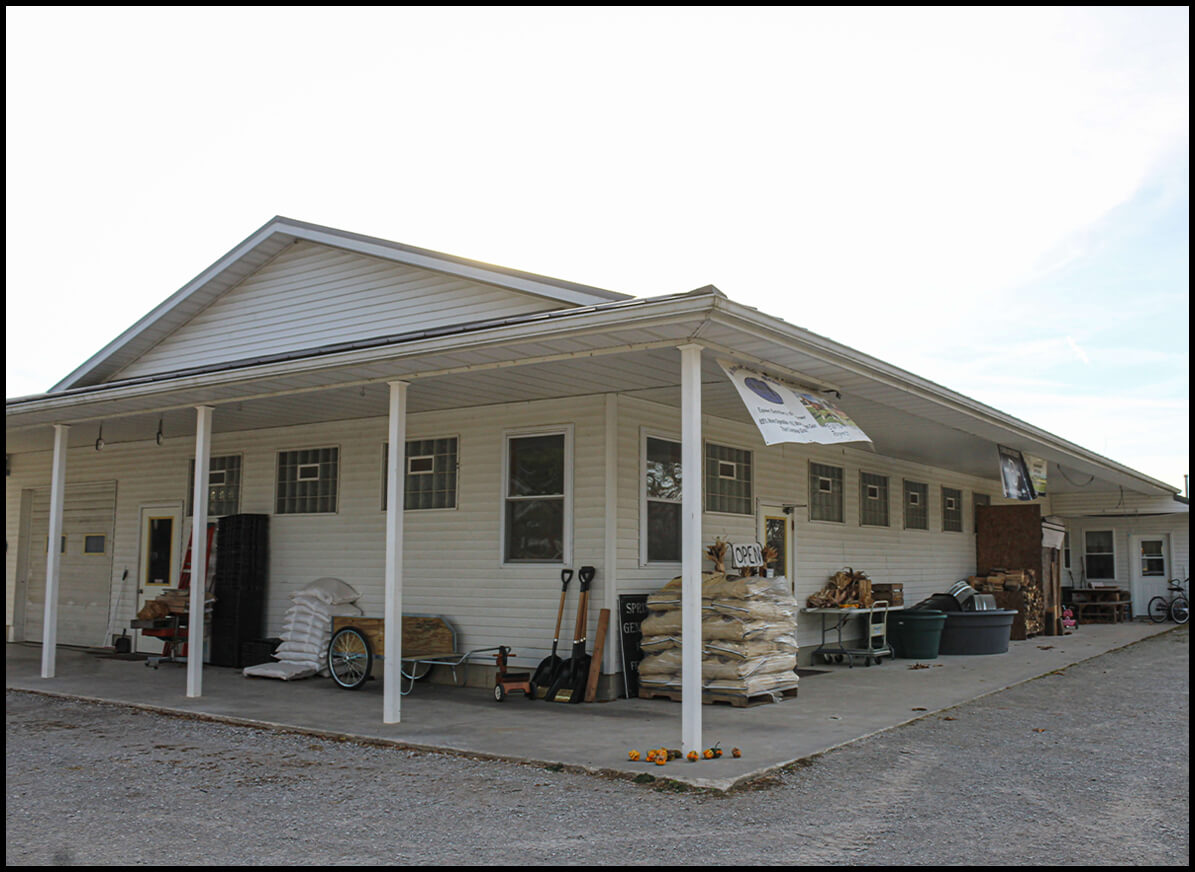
916, 505
873, 500
825, 492
728, 480
223, 486
307, 481
952, 510
430, 475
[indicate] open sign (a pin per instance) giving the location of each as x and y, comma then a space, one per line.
749, 554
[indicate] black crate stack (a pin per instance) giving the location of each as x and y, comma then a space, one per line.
238, 615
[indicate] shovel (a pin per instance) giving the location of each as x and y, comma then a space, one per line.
546, 671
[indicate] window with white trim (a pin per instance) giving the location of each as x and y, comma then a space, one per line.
536, 498
952, 510
916, 505
873, 499
661, 500
223, 486
430, 477
825, 492
307, 481
728, 480
1099, 555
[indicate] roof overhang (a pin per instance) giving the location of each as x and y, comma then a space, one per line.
626, 346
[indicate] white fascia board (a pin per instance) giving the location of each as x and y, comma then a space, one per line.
572, 323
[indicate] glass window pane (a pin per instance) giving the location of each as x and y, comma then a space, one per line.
663, 531
536, 466
535, 530
663, 470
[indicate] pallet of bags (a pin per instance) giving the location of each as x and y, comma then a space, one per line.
307, 629
749, 640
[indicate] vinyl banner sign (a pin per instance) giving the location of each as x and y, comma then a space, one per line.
784, 414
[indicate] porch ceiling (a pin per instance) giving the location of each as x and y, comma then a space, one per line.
629, 348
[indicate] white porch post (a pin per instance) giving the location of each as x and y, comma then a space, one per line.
49, 643
195, 628
690, 416
395, 469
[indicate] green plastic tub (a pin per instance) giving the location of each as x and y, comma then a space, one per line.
915, 634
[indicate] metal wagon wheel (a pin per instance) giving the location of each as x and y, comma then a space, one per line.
350, 659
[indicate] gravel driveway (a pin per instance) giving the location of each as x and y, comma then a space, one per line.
1090, 765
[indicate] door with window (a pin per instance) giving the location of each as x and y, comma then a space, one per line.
1150, 569
158, 564
776, 529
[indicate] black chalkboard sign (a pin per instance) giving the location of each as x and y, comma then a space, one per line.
632, 609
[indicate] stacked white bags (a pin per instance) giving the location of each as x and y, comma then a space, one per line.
749, 637
307, 629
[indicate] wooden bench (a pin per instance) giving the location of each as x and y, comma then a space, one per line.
427, 641
1113, 610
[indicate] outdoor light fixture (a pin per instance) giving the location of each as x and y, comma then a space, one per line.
99, 442
158, 437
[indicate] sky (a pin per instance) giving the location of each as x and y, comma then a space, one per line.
994, 199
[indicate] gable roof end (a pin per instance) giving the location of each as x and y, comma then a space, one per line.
263, 245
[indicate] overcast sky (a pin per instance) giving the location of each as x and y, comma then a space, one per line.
993, 199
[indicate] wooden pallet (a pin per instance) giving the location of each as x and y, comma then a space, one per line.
714, 698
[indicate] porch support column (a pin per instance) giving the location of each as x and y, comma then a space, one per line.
395, 468
49, 649
690, 416
195, 627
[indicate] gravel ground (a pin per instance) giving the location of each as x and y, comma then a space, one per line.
1090, 765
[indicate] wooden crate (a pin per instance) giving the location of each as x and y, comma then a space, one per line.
892, 592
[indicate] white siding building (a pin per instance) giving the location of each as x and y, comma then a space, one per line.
293, 341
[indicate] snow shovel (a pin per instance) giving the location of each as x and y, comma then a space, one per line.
546, 671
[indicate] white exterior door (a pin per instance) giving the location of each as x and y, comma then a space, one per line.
1149, 568
776, 529
159, 553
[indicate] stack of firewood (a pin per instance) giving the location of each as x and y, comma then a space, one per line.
1015, 589
845, 588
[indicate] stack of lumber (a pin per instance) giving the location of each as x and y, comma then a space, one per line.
749, 640
170, 602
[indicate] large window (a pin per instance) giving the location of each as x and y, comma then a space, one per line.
916, 505
1099, 559
825, 492
307, 481
223, 486
429, 479
661, 500
728, 480
873, 499
536, 491
952, 510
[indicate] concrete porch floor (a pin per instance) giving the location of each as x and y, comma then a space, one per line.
835, 708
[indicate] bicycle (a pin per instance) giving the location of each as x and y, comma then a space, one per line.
1176, 606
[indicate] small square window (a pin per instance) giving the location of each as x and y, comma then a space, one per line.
825, 493
430, 482
916, 505
728, 484
873, 510
217, 477
952, 510
307, 481
95, 543
423, 465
